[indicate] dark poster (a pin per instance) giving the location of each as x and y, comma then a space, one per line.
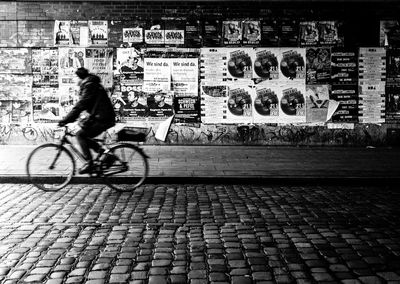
344, 66
392, 106
389, 33
393, 67
347, 96
308, 34
212, 32
193, 32
187, 109
318, 65
289, 33
270, 33
330, 33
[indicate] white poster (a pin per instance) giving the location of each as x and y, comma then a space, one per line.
292, 103
70, 59
214, 99
157, 75
240, 63
185, 74
240, 104
266, 65
213, 69
99, 60
98, 32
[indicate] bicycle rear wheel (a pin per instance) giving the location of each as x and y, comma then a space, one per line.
129, 170
50, 167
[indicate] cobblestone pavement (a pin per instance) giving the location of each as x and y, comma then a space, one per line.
200, 234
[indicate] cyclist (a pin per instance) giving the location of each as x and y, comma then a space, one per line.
93, 98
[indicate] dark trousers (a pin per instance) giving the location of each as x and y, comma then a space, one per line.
85, 139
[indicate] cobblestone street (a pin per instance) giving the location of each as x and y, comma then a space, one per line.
200, 234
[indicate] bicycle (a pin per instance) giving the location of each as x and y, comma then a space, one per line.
122, 165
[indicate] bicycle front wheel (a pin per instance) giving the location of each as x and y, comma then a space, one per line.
50, 167
129, 170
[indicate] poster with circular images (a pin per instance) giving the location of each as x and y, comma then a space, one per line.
266, 103
292, 104
239, 63
266, 65
292, 64
240, 104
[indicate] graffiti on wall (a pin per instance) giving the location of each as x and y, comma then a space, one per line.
204, 134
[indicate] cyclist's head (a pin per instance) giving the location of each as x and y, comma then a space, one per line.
82, 73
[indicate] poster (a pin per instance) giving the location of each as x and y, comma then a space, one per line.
289, 33
213, 69
98, 33
46, 105
240, 63
270, 33
240, 104
212, 32
266, 64
134, 104
154, 34
62, 33
330, 33
70, 59
45, 67
266, 103
185, 76
157, 75
347, 97
132, 35
187, 109
344, 66
317, 101
129, 63
99, 60
389, 33
15, 60
392, 108
15, 87
292, 64
309, 34
174, 32
292, 103
318, 65
79, 33
214, 99
193, 33
16, 111
393, 67
232, 32
160, 104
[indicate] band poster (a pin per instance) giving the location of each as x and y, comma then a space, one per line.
393, 86
318, 65
251, 32
292, 64
240, 63
232, 32
174, 32
309, 34
292, 103
372, 71
266, 65
98, 33
266, 103
214, 103
330, 33
187, 109
213, 66
62, 33
154, 34
15, 60
240, 103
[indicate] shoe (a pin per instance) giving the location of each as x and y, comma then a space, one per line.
86, 168
108, 159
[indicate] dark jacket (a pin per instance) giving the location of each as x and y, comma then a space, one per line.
90, 91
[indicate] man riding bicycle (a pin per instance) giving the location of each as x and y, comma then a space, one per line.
94, 100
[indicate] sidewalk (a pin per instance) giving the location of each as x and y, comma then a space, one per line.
249, 164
